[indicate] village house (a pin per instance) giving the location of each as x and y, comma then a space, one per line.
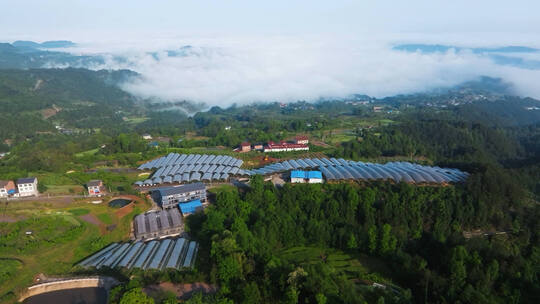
96, 188
7, 188
27, 186
245, 147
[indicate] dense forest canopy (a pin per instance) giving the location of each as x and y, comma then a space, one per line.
416, 231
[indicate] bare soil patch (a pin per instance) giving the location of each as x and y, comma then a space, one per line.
50, 112
9, 219
120, 213
92, 219
320, 144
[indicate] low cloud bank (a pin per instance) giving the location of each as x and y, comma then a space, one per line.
245, 70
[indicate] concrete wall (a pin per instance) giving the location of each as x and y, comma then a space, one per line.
105, 282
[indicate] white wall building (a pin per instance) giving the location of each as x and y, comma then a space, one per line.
27, 186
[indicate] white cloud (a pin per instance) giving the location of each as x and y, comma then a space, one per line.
222, 71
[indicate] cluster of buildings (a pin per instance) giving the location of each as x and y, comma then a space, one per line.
300, 143
22, 187
175, 202
28, 186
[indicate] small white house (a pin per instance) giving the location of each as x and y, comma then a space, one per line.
147, 136
27, 186
95, 188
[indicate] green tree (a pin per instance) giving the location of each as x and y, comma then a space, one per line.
135, 296
458, 270
352, 243
251, 294
372, 239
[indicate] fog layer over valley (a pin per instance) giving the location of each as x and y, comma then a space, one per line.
225, 71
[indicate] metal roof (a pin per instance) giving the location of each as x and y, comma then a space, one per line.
26, 180
314, 174
212, 167
181, 189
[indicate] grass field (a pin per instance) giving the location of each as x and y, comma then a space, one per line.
221, 188
9, 269
87, 153
105, 218
64, 189
61, 235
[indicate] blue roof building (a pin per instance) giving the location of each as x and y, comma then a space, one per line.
298, 174
312, 177
314, 174
190, 207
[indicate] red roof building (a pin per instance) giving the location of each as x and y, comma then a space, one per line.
245, 147
284, 147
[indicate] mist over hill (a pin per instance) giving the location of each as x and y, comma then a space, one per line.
244, 70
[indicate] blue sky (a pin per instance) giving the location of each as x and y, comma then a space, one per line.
53, 18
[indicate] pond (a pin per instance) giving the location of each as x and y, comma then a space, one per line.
90, 295
119, 202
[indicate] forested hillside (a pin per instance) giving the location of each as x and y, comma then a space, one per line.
416, 232
37, 100
31, 55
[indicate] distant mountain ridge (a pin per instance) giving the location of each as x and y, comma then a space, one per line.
432, 48
45, 45
33, 55
505, 55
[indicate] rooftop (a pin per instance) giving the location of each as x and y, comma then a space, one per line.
94, 183
3, 183
298, 174
306, 174
26, 180
181, 189
190, 207
282, 144
314, 174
